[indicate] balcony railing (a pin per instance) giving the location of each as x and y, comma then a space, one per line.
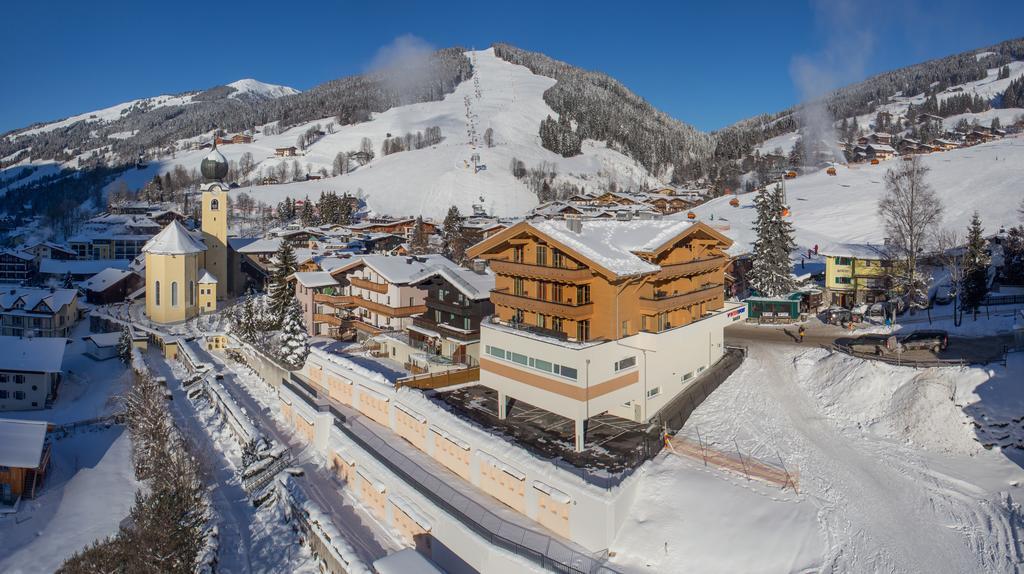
332, 320
545, 273
369, 285
661, 304
382, 309
425, 322
690, 268
339, 301
565, 310
448, 306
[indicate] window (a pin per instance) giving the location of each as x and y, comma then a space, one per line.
556, 324
843, 280
517, 254
3, 394
19, 379
518, 358
156, 294
583, 330
465, 323
517, 316
542, 255
542, 291
582, 294
3, 378
842, 260
687, 376
651, 393
496, 352
517, 287
557, 259
626, 363
556, 293
191, 292
541, 321
214, 205
174, 294
19, 395
625, 329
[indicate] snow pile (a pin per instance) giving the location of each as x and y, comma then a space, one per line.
902, 403
690, 519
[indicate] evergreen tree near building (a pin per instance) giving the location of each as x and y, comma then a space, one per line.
454, 241
976, 261
124, 345
69, 282
280, 292
771, 275
420, 243
294, 340
308, 215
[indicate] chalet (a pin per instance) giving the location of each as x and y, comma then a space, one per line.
881, 138
879, 151
856, 274
40, 312
668, 205
448, 332
909, 146
381, 297
929, 118
30, 373
977, 136
403, 227
597, 316
111, 285
241, 139
286, 151
24, 459
48, 250
944, 144
16, 266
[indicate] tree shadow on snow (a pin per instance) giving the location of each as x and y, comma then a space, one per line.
998, 414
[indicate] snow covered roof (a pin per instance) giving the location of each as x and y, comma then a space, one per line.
80, 266
32, 355
313, 279
174, 240
871, 251
614, 244
22, 444
403, 561
104, 339
880, 147
19, 254
207, 278
33, 297
398, 269
106, 278
265, 245
476, 286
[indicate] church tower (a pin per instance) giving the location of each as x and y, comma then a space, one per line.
215, 218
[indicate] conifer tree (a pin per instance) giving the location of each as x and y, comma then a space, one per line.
280, 291
420, 243
975, 284
124, 345
69, 282
294, 340
308, 215
451, 233
771, 275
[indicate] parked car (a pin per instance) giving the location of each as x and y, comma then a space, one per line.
934, 340
944, 294
874, 344
837, 316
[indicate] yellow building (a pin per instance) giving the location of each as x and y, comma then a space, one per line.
185, 272
856, 274
173, 269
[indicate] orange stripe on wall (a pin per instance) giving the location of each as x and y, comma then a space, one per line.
558, 387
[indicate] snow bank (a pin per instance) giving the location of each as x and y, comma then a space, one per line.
901, 403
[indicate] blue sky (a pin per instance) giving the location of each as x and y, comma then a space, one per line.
706, 63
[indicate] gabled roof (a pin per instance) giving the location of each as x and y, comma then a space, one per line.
314, 279
396, 269
106, 278
174, 240
475, 286
32, 298
207, 278
80, 266
266, 245
32, 355
23, 442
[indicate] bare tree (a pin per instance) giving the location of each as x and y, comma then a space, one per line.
949, 246
910, 210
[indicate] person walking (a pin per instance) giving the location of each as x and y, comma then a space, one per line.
801, 332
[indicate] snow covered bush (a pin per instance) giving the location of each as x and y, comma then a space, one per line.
294, 341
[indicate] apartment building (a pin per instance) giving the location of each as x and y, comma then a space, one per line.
856, 273
38, 312
30, 371
603, 316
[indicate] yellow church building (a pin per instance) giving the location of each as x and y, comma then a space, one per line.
186, 272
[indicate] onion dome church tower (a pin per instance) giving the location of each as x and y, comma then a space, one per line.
215, 219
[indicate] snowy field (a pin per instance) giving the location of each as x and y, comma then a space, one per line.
828, 210
429, 180
893, 477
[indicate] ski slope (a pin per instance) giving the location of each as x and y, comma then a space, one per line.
828, 210
504, 97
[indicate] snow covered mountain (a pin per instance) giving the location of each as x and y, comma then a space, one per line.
260, 89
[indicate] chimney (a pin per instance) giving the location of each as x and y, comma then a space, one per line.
409, 260
479, 266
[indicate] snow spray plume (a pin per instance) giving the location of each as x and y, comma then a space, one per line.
842, 60
404, 65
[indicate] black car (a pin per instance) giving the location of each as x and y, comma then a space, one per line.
933, 340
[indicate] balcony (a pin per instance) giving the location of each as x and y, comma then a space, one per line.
690, 268
382, 309
381, 288
564, 310
333, 320
540, 271
661, 304
424, 322
336, 301
448, 306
